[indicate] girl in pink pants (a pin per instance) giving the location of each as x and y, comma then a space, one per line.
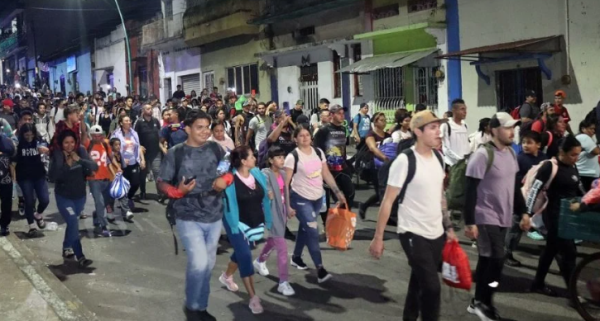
279, 205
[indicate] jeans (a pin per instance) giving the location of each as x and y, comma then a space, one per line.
424, 290
132, 173
70, 209
99, 190
40, 188
200, 241
242, 256
279, 244
308, 231
154, 166
6, 192
513, 237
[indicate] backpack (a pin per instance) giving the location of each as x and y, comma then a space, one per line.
384, 172
297, 158
541, 200
456, 192
361, 117
179, 155
515, 113
263, 151
388, 149
450, 129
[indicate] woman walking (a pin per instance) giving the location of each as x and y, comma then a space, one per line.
306, 169
31, 177
587, 163
247, 212
69, 168
132, 161
220, 136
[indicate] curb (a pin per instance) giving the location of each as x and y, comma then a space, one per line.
64, 303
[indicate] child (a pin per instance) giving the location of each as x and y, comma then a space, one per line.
114, 168
532, 143
279, 204
100, 182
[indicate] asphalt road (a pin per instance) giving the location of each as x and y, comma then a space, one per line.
137, 276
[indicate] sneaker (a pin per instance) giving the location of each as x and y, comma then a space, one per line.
39, 219
298, 263
285, 288
205, 316
544, 290
68, 253
102, 231
228, 282
261, 267
4, 231
486, 312
128, 216
362, 212
193, 315
471, 307
83, 262
535, 235
323, 275
34, 233
255, 305
511, 261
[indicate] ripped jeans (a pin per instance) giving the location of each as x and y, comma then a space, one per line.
308, 231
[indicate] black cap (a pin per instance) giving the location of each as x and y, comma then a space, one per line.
530, 93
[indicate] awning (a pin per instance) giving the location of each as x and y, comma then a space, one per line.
530, 46
395, 60
108, 68
402, 39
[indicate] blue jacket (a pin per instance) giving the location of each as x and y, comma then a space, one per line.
232, 212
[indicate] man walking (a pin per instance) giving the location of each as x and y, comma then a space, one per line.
493, 195
361, 125
423, 224
259, 126
455, 134
529, 111
148, 129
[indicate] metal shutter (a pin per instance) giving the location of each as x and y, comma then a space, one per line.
191, 82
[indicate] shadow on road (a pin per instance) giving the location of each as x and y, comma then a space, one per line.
69, 267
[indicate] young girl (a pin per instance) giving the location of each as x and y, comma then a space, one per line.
279, 204
114, 168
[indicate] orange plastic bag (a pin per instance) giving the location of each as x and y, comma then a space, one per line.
456, 271
340, 227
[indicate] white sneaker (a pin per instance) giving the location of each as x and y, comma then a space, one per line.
261, 267
286, 289
129, 215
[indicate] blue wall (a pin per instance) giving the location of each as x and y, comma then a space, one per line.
454, 76
84, 72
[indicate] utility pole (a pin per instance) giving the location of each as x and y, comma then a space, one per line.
130, 90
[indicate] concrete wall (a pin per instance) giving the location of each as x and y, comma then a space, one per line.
288, 77
84, 73
487, 22
176, 64
111, 53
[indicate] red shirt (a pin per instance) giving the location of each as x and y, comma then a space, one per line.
562, 112
538, 125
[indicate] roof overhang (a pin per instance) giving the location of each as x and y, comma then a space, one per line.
298, 11
332, 44
401, 39
394, 60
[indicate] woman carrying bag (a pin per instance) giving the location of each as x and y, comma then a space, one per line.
247, 213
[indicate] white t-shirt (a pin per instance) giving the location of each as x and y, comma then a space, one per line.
421, 210
308, 180
399, 135
456, 145
57, 114
587, 163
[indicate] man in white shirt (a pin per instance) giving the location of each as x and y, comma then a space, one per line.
423, 224
455, 134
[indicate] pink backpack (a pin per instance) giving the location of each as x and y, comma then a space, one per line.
541, 200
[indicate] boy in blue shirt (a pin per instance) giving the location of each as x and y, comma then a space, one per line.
531, 143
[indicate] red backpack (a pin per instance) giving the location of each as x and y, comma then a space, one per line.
515, 113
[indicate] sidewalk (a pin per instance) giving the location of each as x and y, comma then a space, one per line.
30, 291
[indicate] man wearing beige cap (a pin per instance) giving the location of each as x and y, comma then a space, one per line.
423, 225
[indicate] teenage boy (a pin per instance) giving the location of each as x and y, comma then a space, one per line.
423, 225
493, 195
99, 152
361, 125
531, 143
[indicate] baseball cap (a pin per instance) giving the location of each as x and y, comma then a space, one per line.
96, 130
302, 120
335, 108
560, 93
423, 118
300, 102
8, 102
530, 93
503, 119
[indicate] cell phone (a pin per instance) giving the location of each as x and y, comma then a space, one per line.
189, 180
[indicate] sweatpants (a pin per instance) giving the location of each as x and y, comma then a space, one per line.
278, 243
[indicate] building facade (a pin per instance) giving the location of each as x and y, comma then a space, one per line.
71, 73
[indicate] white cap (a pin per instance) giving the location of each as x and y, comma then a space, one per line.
503, 119
96, 130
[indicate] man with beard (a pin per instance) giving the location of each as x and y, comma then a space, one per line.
259, 126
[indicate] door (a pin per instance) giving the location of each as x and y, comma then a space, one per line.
168, 89
209, 81
512, 84
143, 81
63, 87
309, 87
191, 82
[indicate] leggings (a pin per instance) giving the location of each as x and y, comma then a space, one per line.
278, 243
565, 253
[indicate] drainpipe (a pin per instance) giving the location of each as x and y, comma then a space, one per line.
127, 47
567, 37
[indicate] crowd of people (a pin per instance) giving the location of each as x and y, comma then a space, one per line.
262, 166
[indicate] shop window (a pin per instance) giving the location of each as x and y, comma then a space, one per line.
426, 86
337, 77
389, 87
243, 79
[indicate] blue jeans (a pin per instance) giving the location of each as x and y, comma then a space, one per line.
99, 190
70, 209
308, 232
40, 188
200, 241
242, 256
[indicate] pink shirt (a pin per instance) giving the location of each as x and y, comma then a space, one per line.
308, 181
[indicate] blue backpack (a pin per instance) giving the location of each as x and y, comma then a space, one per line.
389, 150
263, 151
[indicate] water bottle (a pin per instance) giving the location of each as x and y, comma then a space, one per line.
224, 165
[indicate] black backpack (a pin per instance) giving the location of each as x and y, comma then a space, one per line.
169, 212
296, 158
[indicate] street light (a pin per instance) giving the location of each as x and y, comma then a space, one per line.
127, 47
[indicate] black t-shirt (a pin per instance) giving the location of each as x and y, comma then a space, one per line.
295, 113
148, 132
104, 122
249, 203
526, 162
29, 162
378, 139
285, 141
179, 94
332, 140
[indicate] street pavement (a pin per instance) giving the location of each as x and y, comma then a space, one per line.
137, 276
